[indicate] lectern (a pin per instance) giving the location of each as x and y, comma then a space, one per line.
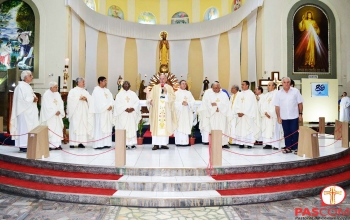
345, 134
308, 143
120, 149
216, 148
337, 130
38, 143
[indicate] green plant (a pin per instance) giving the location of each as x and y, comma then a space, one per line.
13, 59
192, 131
140, 126
66, 123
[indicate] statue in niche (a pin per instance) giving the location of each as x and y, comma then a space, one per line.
163, 53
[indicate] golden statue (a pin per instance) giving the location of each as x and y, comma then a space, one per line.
163, 53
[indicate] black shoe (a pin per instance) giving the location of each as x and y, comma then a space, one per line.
72, 146
59, 148
226, 146
205, 143
241, 146
155, 147
107, 147
98, 148
249, 147
81, 146
165, 147
133, 146
22, 149
50, 149
267, 147
258, 143
275, 148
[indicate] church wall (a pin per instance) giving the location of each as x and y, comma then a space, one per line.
275, 38
120, 3
179, 5
53, 41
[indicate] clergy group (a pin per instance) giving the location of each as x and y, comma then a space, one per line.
245, 117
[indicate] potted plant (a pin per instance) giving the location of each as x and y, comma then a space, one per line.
140, 127
192, 138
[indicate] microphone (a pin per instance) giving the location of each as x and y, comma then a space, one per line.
162, 85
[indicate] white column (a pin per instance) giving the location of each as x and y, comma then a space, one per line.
225, 9
91, 36
131, 11
252, 46
102, 7
163, 12
196, 5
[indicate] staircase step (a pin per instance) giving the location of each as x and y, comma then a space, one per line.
55, 188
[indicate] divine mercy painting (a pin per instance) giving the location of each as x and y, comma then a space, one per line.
311, 41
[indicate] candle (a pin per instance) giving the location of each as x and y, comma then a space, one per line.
66, 61
59, 83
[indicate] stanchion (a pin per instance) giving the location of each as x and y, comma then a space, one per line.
321, 124
216, 148
337, 130
308, 143
120, 149
345, 134
38, 143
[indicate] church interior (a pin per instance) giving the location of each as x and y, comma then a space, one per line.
199, 41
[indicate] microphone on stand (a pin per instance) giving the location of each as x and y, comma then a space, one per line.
162, 85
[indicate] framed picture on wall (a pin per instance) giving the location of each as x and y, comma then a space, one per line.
319, 89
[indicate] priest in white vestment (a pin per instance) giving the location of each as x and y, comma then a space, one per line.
259, 95
246, 109
162, 115
80, 120
270, 128
51, 114
24, 115
184, 106
231, 117
101, 106
217, 106
127, 113
203, 118
344, 111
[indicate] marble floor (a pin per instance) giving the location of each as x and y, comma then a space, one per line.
189, 157
16, 207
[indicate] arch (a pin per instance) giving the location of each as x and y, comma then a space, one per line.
91, 4
147, 17
211, 14
116, 12
35, 49
298, 9
180, 17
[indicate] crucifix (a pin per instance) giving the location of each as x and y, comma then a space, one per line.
217, 100
127, 99
55, 101
185, 98
106, 95
275, 77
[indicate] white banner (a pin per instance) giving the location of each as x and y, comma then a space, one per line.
210, 52
179, 58
91, 36
116, 47
234, 37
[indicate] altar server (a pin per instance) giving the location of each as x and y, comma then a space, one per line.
51, 114
24, 114
127, 113
102, 105
184, 106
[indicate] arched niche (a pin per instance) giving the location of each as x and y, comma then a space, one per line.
324, 38
36, 36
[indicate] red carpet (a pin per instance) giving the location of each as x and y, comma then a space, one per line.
148, 134
287, 187
47, 172
324, 166
55, 188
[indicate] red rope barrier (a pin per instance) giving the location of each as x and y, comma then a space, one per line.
87, 155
